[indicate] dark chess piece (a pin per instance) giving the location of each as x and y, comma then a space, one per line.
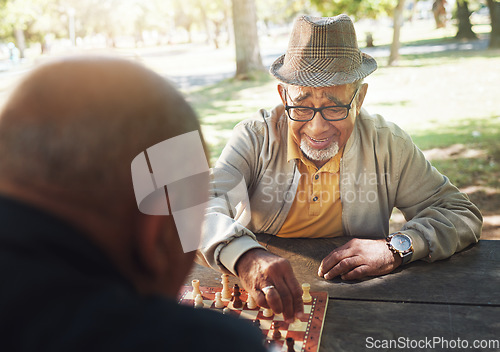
237, 302
276, 330
289, 344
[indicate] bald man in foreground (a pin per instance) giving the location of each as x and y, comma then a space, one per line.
82, 269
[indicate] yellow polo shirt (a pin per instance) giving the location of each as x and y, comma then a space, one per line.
316, 210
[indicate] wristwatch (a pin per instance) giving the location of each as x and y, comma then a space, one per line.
400, 243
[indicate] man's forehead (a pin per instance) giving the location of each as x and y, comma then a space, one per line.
335, 94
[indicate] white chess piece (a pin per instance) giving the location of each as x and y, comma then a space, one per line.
251, 302
226, 311
218, 300
268, 312
226, 292
198, 301
306, 296
196, 287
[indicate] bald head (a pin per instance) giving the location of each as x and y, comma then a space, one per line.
77, 124
68, 135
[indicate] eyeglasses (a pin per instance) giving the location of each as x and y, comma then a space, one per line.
329, 113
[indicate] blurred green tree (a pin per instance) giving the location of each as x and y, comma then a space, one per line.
355, 8
246, 39
27, 21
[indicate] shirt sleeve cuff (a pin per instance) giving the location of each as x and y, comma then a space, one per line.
230, 254
420, 245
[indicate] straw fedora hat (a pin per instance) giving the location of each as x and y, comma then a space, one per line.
322, 52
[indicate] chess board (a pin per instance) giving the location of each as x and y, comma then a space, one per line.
306, 333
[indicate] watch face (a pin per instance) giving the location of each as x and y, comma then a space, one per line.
401, 243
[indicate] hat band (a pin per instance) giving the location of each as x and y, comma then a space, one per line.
321, 52
342, 64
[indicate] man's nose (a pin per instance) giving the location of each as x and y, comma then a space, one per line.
318, 124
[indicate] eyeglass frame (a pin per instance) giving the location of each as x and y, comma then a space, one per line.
320, 110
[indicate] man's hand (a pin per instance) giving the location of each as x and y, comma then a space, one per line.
258, 269
359, 258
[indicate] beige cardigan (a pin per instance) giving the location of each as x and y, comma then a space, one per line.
381, 169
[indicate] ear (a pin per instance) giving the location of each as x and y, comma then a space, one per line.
281, 91
149, 241
163, 262
361, 97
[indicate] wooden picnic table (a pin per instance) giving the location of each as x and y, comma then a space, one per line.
422, 306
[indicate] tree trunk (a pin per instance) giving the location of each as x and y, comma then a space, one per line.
398, 21
464, 25
246, 39
494, 7
206, 23
20, 41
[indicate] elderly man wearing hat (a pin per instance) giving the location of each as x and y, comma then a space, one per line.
321, 166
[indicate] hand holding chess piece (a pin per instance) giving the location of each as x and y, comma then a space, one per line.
259, 269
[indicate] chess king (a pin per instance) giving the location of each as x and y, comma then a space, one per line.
319, 165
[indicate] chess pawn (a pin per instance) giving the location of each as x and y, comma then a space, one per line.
237, 302
251, 302
196, 287
198, 301
289, 344
218, 300
268, 312
306, 296
226, 292
276, 330
226, 311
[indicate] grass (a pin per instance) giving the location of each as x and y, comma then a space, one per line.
224, 104
470, 151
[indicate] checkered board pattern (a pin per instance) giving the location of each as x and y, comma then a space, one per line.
306, 333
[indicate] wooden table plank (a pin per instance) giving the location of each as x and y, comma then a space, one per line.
469, 277
350, 325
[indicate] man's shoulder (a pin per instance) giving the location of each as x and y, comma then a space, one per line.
265, 121
376, 125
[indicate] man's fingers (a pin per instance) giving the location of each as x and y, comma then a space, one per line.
343, 267
331, 260
286, 301
260, 299
356, 273
273, 298
296, 291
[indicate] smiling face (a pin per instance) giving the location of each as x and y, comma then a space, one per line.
320, 140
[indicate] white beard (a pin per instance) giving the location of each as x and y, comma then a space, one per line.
321, 154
